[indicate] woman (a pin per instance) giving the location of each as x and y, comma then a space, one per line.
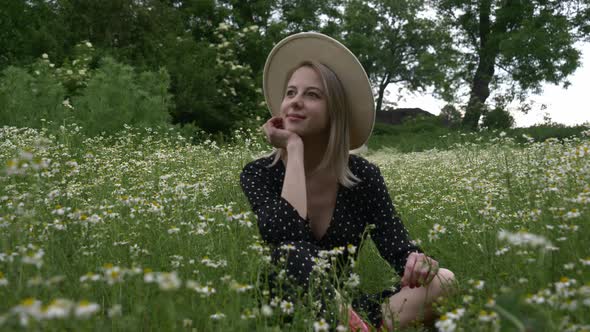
310, 194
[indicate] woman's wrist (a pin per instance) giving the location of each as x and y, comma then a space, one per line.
294, 143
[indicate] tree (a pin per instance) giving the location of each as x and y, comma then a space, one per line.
395, 44
450, 116
531, 42
29, 29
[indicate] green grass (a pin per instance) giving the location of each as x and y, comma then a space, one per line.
425, 134
160, 223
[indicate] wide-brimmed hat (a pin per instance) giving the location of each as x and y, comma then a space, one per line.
311, 46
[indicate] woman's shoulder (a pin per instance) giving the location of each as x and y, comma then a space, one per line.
262, 164
362, 167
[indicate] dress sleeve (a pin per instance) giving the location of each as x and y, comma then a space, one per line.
278, 220
390, 236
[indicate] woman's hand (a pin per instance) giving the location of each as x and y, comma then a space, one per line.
276, 134
420, 270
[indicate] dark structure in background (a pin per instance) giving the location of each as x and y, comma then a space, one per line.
398, 115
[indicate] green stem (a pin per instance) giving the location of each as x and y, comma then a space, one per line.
503, 312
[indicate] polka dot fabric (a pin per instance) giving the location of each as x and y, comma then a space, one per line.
367, 203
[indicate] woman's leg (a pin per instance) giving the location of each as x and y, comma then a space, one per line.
415, 304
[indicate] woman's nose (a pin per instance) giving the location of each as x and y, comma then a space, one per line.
296, 101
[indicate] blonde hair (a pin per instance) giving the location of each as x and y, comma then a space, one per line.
337, 151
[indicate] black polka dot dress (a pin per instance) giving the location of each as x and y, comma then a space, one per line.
366, 203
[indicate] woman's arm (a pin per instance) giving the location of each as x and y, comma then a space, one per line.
278, 220
392, 239
390, 236
294, 187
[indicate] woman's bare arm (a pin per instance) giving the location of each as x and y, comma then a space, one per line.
294, 187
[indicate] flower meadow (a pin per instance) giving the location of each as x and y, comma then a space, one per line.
145, 230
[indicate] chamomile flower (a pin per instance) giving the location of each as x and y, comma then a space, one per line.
287, 307
266, 310
217, 316
85, 309
59, 308
3, 280
321, 325
445, 324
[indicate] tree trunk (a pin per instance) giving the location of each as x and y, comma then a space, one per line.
382, 86
489, 48
480, 91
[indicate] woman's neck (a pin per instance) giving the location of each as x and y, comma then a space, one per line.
314, 150
313, 153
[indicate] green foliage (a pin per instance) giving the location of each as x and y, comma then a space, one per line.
543, 132
375, 273
419, 134
117, 96
214, 51
30, 99
428, 134
75, 71
28, 29
450, 116
100, 100
396, 45
534, 40
497, 118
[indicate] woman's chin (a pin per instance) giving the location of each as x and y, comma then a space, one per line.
293, 128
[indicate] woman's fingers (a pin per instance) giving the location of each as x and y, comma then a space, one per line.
420, 270
277, 122
433, 270
409, 270
275, 132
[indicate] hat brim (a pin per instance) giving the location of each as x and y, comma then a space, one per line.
295, 49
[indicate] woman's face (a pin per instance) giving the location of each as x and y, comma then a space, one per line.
304, 107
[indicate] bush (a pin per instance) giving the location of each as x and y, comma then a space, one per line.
421, 124
419, 134
450, 116
542, 132
497, 118
116, 96
212, 88
26, 100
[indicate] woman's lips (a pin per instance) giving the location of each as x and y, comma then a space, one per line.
295, 117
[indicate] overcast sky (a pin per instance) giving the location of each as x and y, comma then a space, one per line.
569, 107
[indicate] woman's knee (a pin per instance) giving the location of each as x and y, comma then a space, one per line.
446, 275
444, 281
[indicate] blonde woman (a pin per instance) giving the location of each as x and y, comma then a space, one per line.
311, 194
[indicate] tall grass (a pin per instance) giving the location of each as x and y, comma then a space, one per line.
144, 230
424, 134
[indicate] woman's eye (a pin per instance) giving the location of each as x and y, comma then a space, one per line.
313, 94
290, 93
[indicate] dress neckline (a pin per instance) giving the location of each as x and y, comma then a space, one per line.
336, 206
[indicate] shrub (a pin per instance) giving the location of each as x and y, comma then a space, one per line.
450, 116
421, 124
498, 118
26, 100
116, 96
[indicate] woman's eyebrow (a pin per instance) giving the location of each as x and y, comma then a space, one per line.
307, 88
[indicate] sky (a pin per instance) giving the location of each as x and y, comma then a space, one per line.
569, 106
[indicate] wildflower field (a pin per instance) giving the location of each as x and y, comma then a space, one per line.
146, 231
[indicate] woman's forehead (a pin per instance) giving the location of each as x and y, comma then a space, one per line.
305, 76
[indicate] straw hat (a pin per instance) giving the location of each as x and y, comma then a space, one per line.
295, 49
